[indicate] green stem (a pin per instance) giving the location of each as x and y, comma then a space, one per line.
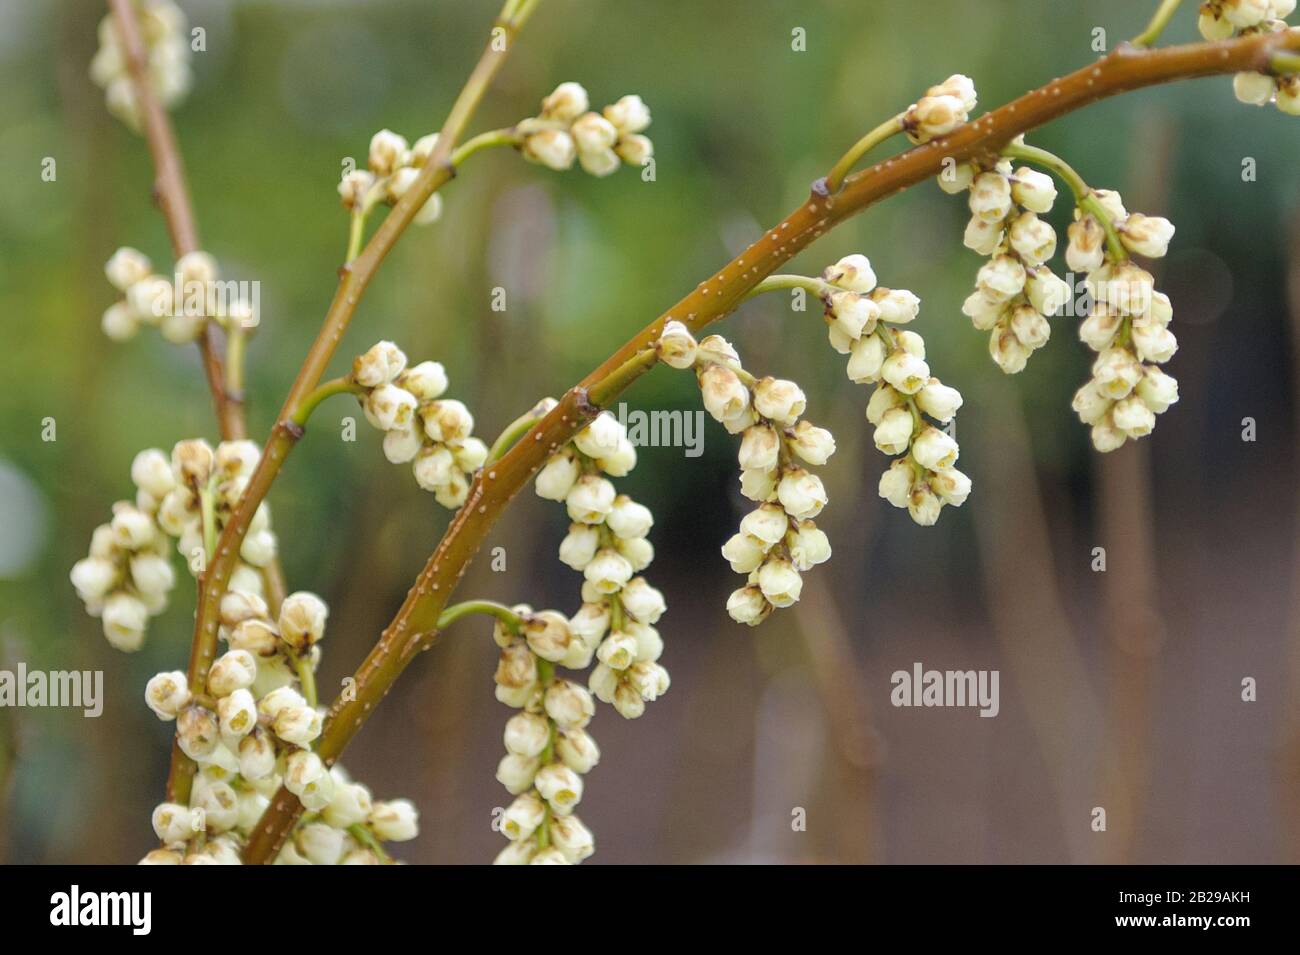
236, 339
545, 674
780, 283
208, 508
1285, 62
367, 839
1084, 197
891, 127
306, 676
335, 386
1159, 21
489, 607
515, 430
493, 137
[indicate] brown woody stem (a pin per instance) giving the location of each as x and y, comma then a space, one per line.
414, 627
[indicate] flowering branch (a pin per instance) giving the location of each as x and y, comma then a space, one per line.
416, 624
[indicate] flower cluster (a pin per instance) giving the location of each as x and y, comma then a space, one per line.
178, 306
423, 429
127, 576
567, 129
1127, 324
394, 165
864, 322
941, 110
1221, 19
1015, 291
778, 540
251, 732
163, 29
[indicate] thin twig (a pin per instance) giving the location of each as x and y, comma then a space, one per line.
415, 626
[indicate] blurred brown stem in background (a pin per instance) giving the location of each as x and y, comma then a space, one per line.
1131, 613
1290, 746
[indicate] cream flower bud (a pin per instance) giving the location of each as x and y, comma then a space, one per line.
527, 734
1157, 390
1087, 247
1246, 13
579, 545
1146, 235
744, 553
517, 853
676, 346
1001, 278
628, 519
1154, 343
618, 650
1116, 373
258, 637
278, 700
983, 311
808, 545
1007, 351
1032, 239
560, 786
383, 362
1047, 292
167, 693
388, 151
396, 820
577, 750
556, 478
523, 816
841, 342
354, 186
983, 237
470, 454
758, 484
956, 178
234, 670
812, 444
779, 400
448, 421
894, 431
600, 164
935, 116
766, 524
608, 571
990, 197
302, 619
256, 755
307, 778
801, 494
905, 371
569, 704
93, 577
1098, 330
951, 485
620, 461
389, 407
852, 273
238, 713
866, 359
780, 582
723, 393
426, 381
197, 731
630, 114
884, 399
589, 624
434, 467
566, 103
638, 551
1030, 327
601, 437
350, 804
649, 680
119, 323
151, 472
898, 306
547, 633
258, 548
516, 666
297, 724
402, 445
1133, 417
320, 843
716, 349
1106, 437
853, 314
552, 148
635, 149
935, 450
132, 528
1090, 404
748, 606
896, 483
126, 267
1033, 190
124, 619
644, 603
938, 400
172, 822
590, 500
423, 149
152, 575
924, 505
592, 132
572, 838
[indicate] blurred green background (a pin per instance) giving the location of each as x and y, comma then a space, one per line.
1120, 690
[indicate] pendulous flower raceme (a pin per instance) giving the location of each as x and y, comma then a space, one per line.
178, 305
421, 428
251, 732
190, 496
164, 31
567, 129
1221, 19
548, 747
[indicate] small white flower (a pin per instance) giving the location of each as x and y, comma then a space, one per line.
866, 359
447, 421
1157, 390
126, 267
852, 273
897, 306
990, 197
552, 148
744, 553
630, 114
801, 494
748, 606
527, 734
172, 823
808, 545
307, 778
523, 816
608, 571
197, 732
93, 577
1030, 327
642, 602
1116, 373
569, 704
982, 236
382, 363
723, 393
590, 500
896, 483
905, 371
676, 346
983, 311
951, 485
302, 619
349, 805
1146, 235
396, 820
1001, 278
579, 545
560, 786
234, 670
1154, 343
578, 750
780, 582
1133, 417
388, 151
167, 693
938, 400
566, 103
1087, 246
256, 755
779, 400
853, 314
238, 713
894, 431
1047, 292
556, 478
572, 838
812, 444
1033, 190
1032, 239
298, 725
924, 505
547, 633
1007, 351
124, 620
935, 450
